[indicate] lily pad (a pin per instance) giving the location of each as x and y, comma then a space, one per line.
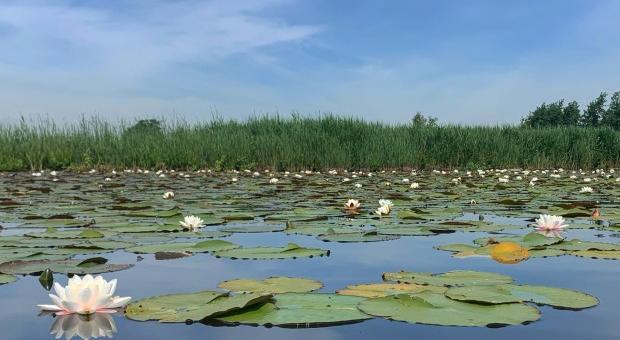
301, 310
290, 251
190, 247
159, 307
375, 290
4, 279
449, 279
277, 284
79, 267
436, 309
369, 236
556, 297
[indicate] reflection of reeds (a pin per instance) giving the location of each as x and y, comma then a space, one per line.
301, 143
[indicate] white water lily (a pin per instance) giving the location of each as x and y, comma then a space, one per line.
168, 195
85, 295
414, 185
192, 223
586, 190
405, 180
358, 185
352, 204
94, 326
273, 181
503, 180
550, 225
383, 210
384, 202
235, 179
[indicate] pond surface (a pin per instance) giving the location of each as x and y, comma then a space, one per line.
215, 196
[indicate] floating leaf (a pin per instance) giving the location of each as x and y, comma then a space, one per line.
436, 309
375, 290
277, 284
292, 250
58, 266
4, 279
508, 253
46, 279
557, 297
301, 310
200, 247
369, 236
163, 306
449, 279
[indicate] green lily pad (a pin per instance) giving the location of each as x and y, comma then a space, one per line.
291, 250
159, 307
598, 254
436, 309
449, 279
556, 297
275, 285
79, 267
301, 310
374, 290
4, 279
190, 247
368, 236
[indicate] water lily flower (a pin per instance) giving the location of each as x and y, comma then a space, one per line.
384, 202
352, 204
85, 295
596, 213
586, 190
84, 326
550, 225
414, 185
192, 223
273, 181
235, 179
383, 210
54, 173
405, 180
503, 180
358, 185
168, 195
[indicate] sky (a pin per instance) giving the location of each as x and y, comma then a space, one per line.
466, 62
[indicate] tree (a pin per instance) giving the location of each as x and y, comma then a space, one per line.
611, 117
570, 114
546, 115
594, 112
420, 120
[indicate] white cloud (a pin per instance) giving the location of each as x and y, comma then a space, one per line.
64, 52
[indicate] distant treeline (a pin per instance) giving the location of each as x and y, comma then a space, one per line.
598, 113
302, 143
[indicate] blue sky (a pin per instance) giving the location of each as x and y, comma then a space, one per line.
473, 62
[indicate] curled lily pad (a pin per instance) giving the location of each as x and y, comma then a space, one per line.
437, 309
556, 297
277, 284
301, 310
159, 307
449, 279
252, 228
375, 290
291, 250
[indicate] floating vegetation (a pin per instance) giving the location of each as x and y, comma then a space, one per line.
512, 249
456, 298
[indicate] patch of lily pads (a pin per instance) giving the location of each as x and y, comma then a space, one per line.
456, 298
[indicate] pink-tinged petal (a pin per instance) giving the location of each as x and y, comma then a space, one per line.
51, 308
107, 310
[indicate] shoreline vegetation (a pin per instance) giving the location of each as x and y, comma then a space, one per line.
301, 143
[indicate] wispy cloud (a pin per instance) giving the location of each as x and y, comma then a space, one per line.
58, 46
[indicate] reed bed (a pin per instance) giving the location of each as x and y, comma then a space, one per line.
301, 143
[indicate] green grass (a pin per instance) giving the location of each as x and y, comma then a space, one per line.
302, 143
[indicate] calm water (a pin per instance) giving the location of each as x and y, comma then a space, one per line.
348, 264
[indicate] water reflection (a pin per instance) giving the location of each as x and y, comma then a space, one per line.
91, 326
